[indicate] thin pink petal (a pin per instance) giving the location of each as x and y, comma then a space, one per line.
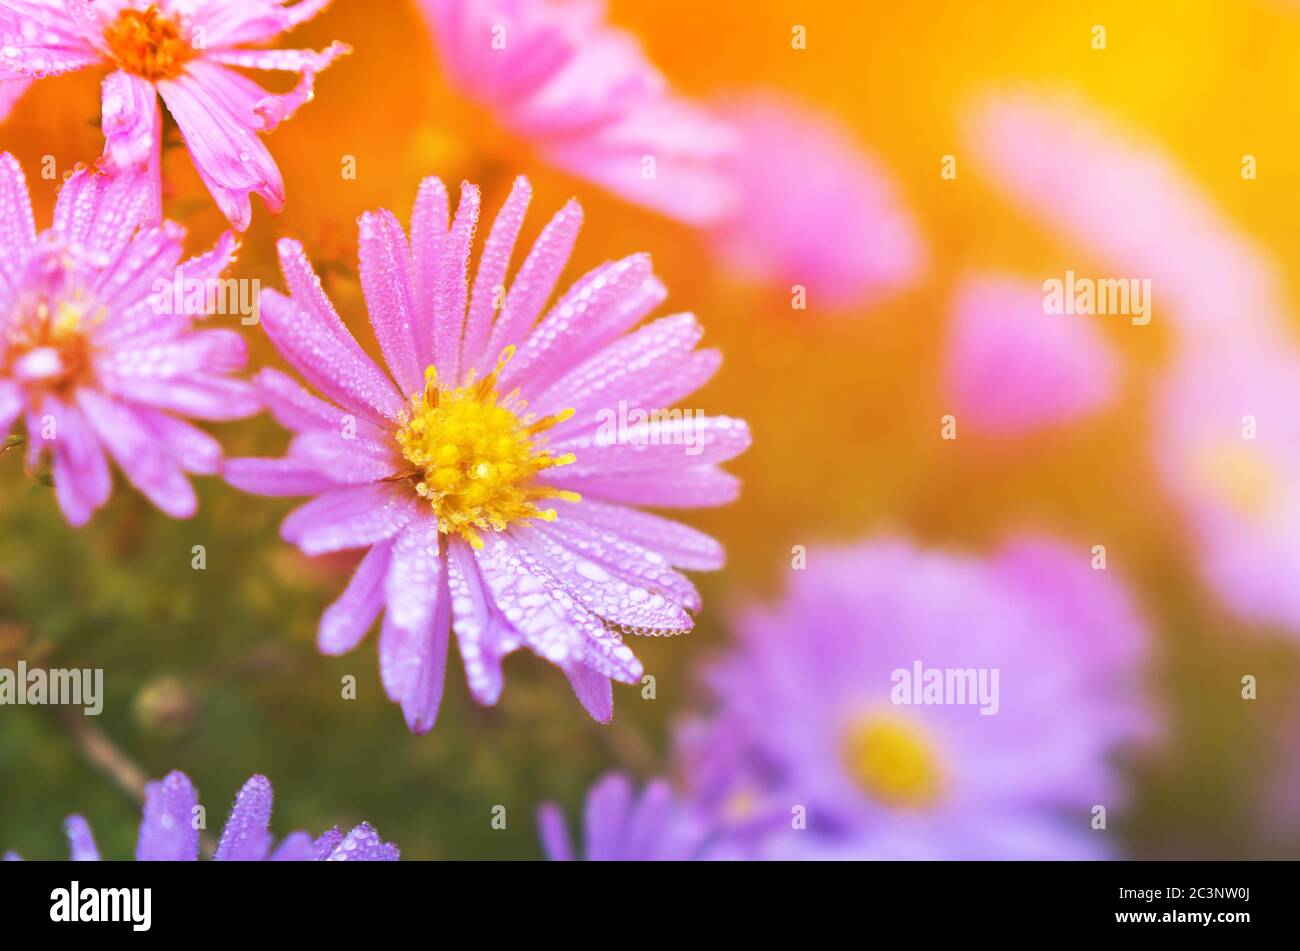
340, 371
229, 157
345, 622
351, 517
137, 452
389, 292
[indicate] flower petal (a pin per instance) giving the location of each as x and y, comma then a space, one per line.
246, 837
276, 477
389, 291
229, 157
340, 371
355, 516
345, 622
137, 451
168, 832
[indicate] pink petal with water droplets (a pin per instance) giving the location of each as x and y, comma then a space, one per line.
339, 370
389, 291
351, 517
345, 622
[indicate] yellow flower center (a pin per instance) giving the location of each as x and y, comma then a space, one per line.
476, 458
1237, 471
48, 346
893, 762
148, 43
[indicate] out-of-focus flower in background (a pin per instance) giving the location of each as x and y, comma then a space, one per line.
785, 193
620, 824
439, 470
825, 712
170, 831
180, 51
815, 210
1127, 207
582, 93
1013, 369
1227, 446
91, 358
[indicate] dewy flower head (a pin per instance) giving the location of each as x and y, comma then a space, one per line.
179, 50
481, 476
836, 743
88, 358
170, 831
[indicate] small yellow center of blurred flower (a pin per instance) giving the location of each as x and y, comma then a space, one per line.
147, 43
476, 458
893, 762
1238, 473
48, 345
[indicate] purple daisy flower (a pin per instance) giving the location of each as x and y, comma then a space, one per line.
90, 357
830, 740
443, 470
169, 833
620, 825
181, 51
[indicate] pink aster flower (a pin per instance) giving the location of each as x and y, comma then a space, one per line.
1131, 209
622, 825
1227, 445
91, 359
814, 209
830, 717
169, 832
180, 50
493, 406
582, 92
1013, 368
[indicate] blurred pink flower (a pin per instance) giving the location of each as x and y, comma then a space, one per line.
815, 208
439, 470
1227, 444
93, 359
1127, 207
1013, 368
582, 92
179, 50
818, 722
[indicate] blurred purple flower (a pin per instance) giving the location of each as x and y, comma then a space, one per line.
440, 473
815, 208
620, 825
1227, 445
1129, 208
91, 358
812, 724
583, 94
179, 50
169, 833
1013, 368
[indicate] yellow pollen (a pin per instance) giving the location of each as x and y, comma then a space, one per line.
476, 458
148, 43
893, 762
